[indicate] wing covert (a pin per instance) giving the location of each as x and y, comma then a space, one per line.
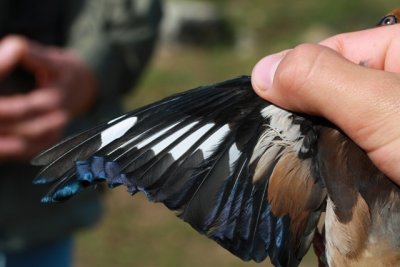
216, 155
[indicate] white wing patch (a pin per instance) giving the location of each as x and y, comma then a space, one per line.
281, 134
234, 154
116, 131
281, 122
183, 146
167, 141
209, 145
155, 136
281, 125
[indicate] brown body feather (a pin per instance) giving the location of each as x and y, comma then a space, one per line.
296, 195
362, 223
362, 220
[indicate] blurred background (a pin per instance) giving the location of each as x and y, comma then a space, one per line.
205, 42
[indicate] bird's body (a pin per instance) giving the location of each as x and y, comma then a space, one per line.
362, 219
251, 176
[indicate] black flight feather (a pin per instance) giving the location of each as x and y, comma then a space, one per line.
207, 154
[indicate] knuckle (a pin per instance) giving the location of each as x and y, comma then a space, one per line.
298, 68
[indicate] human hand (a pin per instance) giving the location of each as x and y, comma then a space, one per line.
33, 121
351, 79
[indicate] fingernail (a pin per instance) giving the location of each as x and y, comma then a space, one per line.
264, 71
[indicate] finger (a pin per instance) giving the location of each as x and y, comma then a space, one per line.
38, 127
39, 59
23, 106
11, 147
32, 137
15, 148
12, 48
42, 60
316, 80
376, 48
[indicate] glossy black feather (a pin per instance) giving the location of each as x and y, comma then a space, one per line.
208, 154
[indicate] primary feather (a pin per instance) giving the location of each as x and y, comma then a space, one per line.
227, 162
251, 176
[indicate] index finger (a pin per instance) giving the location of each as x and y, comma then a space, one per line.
21, 106
375, 48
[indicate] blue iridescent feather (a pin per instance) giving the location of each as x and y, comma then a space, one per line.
201, 153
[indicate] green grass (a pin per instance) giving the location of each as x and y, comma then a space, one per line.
137, 233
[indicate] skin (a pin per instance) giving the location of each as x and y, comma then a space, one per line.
65, 89
352, 79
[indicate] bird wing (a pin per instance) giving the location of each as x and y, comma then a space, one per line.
235, 167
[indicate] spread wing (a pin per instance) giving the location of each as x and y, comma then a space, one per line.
235, 167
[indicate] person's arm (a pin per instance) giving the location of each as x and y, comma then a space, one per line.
115, 39
352, 79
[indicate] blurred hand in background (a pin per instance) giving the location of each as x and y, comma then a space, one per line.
65, 88
64, 66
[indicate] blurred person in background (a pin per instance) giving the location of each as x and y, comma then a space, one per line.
63, 67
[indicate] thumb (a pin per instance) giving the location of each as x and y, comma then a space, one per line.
38, 59
11, 50
363, 102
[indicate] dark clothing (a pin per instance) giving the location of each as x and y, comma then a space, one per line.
115, 38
